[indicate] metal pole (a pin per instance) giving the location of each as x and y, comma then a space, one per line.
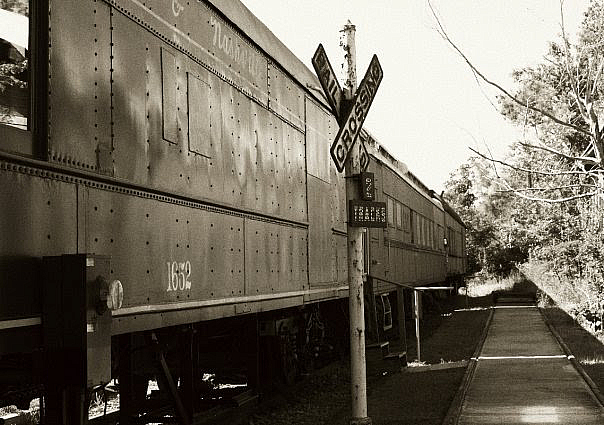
416, 311
355, 253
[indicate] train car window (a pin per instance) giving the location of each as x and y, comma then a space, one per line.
406, 219
399, 215
424, 232
14, 67
390, 208
387, 309
169, 114
200, 122
415, 227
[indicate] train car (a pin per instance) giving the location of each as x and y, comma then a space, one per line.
415, 249
170, 210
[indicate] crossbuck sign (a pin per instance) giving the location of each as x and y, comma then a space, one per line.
351, 124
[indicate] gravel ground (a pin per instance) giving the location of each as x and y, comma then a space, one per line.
397, 398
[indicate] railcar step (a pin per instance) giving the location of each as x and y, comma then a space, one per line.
384, 347
515, 300
400, 358
245, 398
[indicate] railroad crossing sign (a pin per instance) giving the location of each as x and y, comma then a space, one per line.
328, 80
352, 122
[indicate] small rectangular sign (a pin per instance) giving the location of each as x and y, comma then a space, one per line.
352, 124
366, 213
328, 79
367, 186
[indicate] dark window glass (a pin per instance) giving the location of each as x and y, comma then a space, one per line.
14, 59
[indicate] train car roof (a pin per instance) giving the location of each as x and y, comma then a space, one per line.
449, 209
263, 37
381, 154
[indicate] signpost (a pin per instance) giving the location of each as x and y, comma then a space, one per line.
350, 108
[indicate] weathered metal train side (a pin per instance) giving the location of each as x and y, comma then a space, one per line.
456, 243
410, 251
212, 139
180, 150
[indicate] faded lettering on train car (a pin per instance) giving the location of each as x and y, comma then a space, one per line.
228, 44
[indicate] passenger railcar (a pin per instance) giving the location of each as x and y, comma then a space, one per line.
169, 204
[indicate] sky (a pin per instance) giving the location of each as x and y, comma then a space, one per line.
429, 108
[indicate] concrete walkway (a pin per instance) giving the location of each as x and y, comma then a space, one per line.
523, 377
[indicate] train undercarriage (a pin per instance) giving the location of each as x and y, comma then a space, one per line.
181, 374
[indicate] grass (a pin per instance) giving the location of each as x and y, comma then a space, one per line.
31, 416
484, 285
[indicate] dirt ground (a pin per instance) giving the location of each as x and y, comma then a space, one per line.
419, 397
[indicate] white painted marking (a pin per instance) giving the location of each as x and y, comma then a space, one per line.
555, 356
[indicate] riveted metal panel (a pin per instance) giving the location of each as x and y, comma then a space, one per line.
168, 87
255, 195
38, 218
275, 258
169, 165
233, 149
197, 31
261, 258
320, 134
282, 135
321, 251
150, 241
205, 166
200, 116
292, 176
79, 85
285, 97
300, 257
217, 243
265, 158
130, 99
297, 156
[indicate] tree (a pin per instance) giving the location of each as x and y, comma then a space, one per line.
560, 107
13, 66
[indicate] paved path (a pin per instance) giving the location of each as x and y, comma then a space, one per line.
523, 377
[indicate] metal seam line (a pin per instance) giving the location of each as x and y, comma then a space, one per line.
33, 321
18, 323
208, 303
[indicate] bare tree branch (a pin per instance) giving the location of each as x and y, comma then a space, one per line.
585, 159
441, 31
545, 189
528, 170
